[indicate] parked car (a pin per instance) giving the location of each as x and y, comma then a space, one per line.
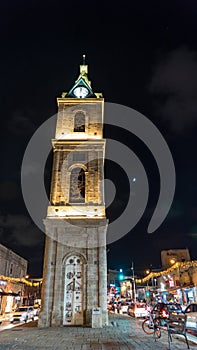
165, 310
124, 307
137, 310
191, 312
23, 313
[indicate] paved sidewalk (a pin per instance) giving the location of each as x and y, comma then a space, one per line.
123, 333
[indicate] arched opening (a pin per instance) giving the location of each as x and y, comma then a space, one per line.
77, 186
79, 122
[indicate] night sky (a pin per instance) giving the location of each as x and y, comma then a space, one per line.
141, 54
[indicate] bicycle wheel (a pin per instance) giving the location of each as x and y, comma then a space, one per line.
148, 326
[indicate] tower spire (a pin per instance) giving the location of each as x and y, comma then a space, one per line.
83, 66
84, 60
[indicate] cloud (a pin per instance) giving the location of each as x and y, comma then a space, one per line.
174, 87
21, 229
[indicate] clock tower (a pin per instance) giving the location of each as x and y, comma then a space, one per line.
74, 290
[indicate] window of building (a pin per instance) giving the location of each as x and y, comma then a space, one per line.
11, 268
77, 185
79, 122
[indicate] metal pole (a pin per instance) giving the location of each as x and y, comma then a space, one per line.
134, 289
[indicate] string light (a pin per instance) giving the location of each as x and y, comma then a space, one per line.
19, 280
185, 265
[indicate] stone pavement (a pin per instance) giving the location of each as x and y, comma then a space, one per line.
123, 333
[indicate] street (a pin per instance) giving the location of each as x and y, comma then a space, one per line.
7, 325
123, 333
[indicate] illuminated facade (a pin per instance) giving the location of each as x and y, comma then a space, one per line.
13, 269
75, 272
169, 257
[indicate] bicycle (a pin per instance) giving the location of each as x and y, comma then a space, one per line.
151, 325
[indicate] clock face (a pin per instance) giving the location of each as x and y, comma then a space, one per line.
80, 92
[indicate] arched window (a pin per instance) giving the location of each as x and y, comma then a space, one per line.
77, 185
79, 122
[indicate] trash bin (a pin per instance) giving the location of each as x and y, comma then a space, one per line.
96, 318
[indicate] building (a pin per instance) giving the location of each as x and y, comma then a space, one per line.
113, 283
11, 264
179, 282
32, 291
75, 271
171, 256
13, 268
113, 278
176, 281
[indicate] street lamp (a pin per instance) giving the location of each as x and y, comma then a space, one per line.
172, 261
133, 278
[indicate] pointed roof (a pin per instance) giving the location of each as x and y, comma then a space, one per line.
82, 82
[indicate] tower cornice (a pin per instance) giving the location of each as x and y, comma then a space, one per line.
71, 101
